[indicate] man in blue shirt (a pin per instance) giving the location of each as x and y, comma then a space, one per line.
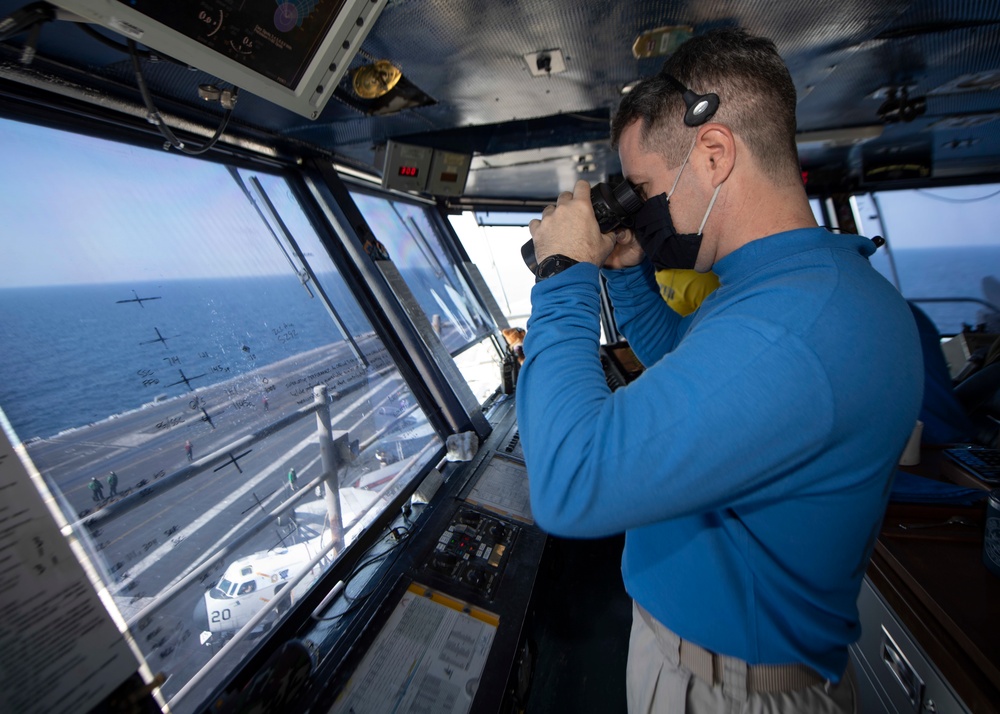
750, 464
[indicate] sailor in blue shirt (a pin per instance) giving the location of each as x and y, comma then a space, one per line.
751, 463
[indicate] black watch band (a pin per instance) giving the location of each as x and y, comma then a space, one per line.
552, 265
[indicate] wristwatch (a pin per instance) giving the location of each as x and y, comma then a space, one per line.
552, 265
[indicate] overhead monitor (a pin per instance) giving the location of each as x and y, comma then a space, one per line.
290, 52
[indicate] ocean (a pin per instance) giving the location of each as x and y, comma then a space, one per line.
74, 354
958, 272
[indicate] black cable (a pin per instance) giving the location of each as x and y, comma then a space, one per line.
359, 600
156, 119
375, 558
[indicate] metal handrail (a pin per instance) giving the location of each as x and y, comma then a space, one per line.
211, 559
172, 480
214, 557
286, 591
984, 303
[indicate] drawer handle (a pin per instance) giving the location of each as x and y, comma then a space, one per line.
903, 671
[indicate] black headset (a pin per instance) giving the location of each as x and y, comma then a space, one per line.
700, 107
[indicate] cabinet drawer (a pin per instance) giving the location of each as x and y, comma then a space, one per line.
893, 668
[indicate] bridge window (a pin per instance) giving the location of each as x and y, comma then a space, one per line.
416, 242
178, 322
943, 250
493, 241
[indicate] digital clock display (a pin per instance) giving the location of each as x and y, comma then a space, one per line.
410, 171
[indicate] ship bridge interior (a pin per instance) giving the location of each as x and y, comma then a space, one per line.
258, 393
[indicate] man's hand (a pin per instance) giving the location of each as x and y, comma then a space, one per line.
569, 228
627, 251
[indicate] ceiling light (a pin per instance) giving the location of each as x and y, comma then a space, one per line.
545, 62
661, 41
375, 80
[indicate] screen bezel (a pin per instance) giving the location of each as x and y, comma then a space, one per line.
307, 98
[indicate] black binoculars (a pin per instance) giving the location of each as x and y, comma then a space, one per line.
613, 207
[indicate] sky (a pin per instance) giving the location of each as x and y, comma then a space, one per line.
932, 218
83, 210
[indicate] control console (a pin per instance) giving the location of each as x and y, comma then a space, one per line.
472, 552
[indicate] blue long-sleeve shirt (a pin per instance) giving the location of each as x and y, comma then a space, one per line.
750, 464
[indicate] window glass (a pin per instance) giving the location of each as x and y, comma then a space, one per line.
493, 241
943, 250
496, 249
415, 245
817, 209
165, 323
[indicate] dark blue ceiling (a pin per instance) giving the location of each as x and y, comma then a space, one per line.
530, 136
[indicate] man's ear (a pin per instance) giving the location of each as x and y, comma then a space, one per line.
718, 149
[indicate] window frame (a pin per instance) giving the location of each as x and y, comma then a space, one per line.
297, 618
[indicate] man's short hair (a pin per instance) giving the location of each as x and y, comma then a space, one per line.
756, 100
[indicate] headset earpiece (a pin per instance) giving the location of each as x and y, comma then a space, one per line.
700, 107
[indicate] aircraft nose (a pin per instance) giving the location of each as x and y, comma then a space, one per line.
200, 615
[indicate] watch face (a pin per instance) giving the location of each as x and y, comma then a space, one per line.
554, 264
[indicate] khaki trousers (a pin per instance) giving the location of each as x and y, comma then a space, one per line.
657, 683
